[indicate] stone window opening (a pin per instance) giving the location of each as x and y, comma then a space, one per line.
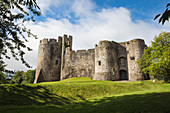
99, 62
56, 62
132, 58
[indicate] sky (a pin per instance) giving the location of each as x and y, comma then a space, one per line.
90, 21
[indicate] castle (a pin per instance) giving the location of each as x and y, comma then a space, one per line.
109, 60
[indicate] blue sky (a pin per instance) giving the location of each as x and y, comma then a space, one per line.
90, 21
140, 9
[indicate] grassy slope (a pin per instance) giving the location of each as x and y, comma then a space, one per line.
85, 95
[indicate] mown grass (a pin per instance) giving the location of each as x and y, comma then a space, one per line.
83, 95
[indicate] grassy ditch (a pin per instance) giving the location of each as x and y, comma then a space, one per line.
83, 95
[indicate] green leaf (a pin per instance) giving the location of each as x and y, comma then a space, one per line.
168, 5
157, 16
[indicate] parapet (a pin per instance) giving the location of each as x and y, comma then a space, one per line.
46, 41
52, 41
106, 43
123, 44
70, 36
137, 40
67, 36
90, 50
83, 51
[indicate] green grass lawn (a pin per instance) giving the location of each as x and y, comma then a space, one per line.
83, 95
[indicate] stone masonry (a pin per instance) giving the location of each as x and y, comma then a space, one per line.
109, 60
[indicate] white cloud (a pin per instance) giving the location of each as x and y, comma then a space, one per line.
91, 27
46, 5
83, 7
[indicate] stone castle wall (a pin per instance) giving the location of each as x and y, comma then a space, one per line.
78, 63
109, 60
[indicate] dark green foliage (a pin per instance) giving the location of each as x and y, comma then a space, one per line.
17, 78
2, 78
13, 33
66, 45
29, 76
164, 16
21, 77
156, 58
2, 75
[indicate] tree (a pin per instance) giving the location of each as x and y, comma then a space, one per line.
2, 75
164, 16
13, 33
29, 76
2, 78
17, 78
156, 58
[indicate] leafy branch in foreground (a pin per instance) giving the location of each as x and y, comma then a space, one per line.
13, 33
164, 16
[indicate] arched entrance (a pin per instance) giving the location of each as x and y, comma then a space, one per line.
123, 75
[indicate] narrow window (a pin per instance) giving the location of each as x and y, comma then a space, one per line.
56, 62
99, 62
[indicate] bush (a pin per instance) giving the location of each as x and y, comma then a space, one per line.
17, 78
29, 76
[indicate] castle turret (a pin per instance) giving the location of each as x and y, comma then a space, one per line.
106, 63
135, 50
66, 43
49, 60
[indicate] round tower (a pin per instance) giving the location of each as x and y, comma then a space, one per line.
106, 61
135, 50
48, 61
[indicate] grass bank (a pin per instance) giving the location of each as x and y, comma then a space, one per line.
83, 95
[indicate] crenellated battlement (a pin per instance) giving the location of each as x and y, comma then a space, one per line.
81, 51
48, 41
105, 43
108, 60
44, 41
67, 37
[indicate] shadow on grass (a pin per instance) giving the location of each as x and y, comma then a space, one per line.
139, 103
29, 99
28, 95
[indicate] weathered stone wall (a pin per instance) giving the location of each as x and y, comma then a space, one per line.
106, 61
122, 59
66, 44
49, 60
78, 63
135, 50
